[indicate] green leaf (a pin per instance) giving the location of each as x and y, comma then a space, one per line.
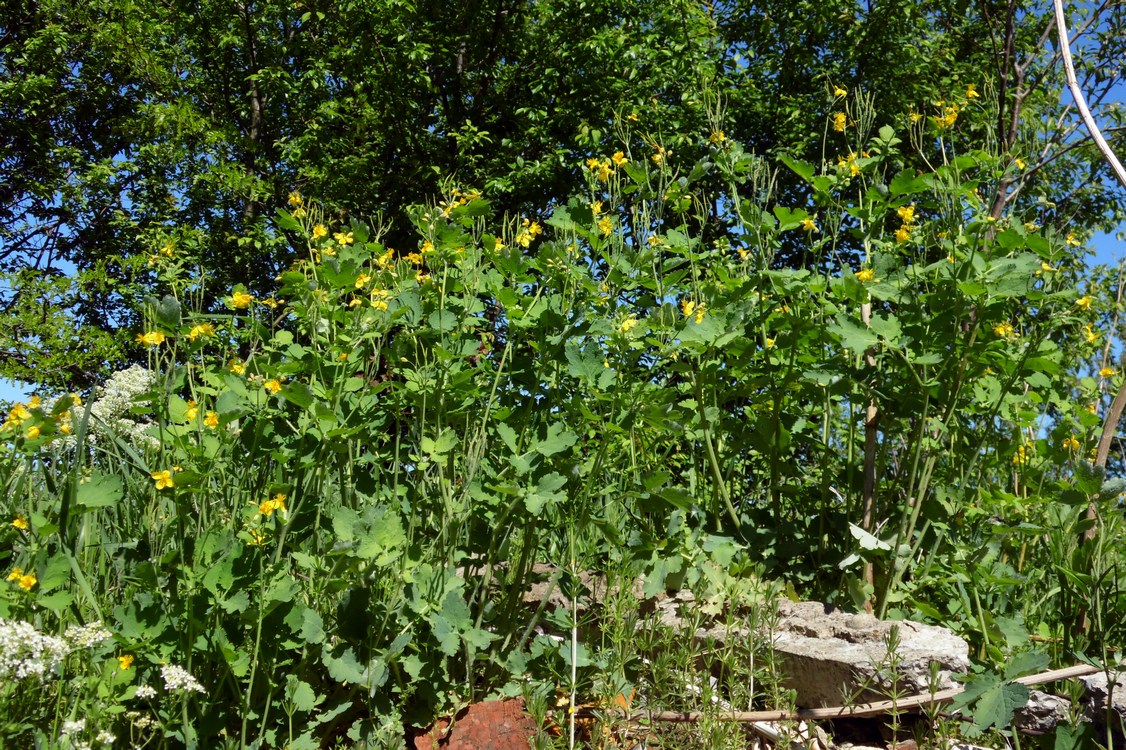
298, 394
854, 336
102, 490
167, 312
300, 694
287, 222
803, 169
996, 705
438, 449
867, 540
789, 218
312, 628
558, 439
1025, 662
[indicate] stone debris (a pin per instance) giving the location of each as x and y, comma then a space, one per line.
834, 658
1042, 712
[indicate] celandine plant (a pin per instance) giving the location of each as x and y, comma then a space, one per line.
317, 522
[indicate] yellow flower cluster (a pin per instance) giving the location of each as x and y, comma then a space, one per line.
907, 225
693, 310
602, 168
948, 117
151, 338
849, 163
606, 225
457, 198
866, 275
25, 580
275, 503
1070, 444
529, 230
240, 300
205, 330
840, 122
1005, 330
1020, 458
629, 323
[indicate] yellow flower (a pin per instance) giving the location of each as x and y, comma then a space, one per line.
152, 338
717, 137
1108, 372
596, 208
273, 385
15, 574
236, 366
1071, 240
299, 212
1005, 330
275, 503
1019, 162
619, 159
240, 300
362, 280
1070, 444
319, 231
18, 414
295, 199
903, 234
949, 116
65, 427
33, 432
257, 537
1046, 268
632, 117
415, 259
1089, 334
166, 249
693, 310
606, 225
27, 581
203, 329
75, 400
163, 479
211, 420
604, 171
840, 122
593, 163
840, 92
1084, 302
20, 522
659, 157
971, 92
906, 214
125, 661
1021, 456
628, 324
769, 343
191, 412
809, 224
379, 298
866, 275
914, 117
343, 238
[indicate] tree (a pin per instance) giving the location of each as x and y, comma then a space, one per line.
137, 126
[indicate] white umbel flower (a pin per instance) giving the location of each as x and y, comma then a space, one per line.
177, 678
25, 652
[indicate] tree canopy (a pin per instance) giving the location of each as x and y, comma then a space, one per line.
135, 125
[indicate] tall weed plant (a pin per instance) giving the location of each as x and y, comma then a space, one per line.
312, 517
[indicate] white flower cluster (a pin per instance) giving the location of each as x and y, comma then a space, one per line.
144, 692
25, 652
85, 636
111, 407
177, 678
